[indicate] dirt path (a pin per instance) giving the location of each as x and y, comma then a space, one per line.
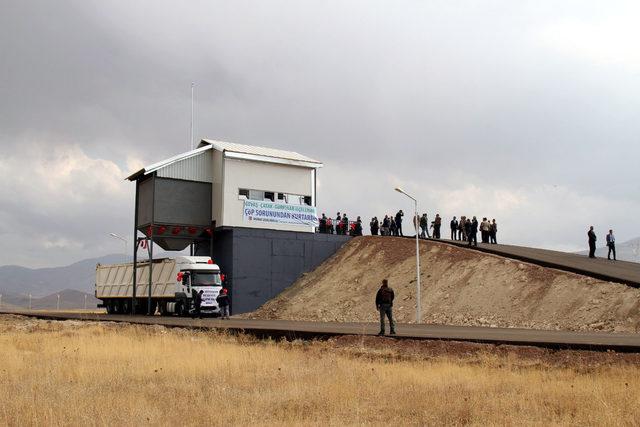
459, 287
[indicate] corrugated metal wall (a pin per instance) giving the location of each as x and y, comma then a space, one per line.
196, 168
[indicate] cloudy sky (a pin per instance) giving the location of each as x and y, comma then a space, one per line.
525, 111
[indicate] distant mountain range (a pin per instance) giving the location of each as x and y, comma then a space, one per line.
40, 282
625, 251
71, 282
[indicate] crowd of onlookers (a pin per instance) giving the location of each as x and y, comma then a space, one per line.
340, 225
464, 229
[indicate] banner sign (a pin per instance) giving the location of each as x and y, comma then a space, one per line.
279, 213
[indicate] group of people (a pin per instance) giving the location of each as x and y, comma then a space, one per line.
391, 225
341, 225
467, 229
611, 244
222, 299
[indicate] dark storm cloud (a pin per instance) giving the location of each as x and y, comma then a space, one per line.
495, 107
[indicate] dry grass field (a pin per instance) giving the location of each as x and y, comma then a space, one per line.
73, 373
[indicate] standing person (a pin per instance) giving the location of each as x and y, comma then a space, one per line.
197, 302
385, 226
454, 228
338, 223
345, 226
484, 230
399, 216
592, 242
374, 226
611, 244
437, 223
424, 225
467, 230
357, 229
384, 304
323, 224
462, 229
329, 226
223, 303
493, 231
474, 232
393, 228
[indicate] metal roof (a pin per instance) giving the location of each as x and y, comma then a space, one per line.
236, 151
171, 160
265, 154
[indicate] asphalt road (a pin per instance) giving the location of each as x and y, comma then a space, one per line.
600, 268
599, 341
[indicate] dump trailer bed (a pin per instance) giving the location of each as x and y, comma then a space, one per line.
116, 280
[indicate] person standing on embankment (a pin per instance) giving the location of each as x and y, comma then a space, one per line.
384, 304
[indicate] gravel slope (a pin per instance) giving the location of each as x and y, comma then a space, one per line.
459, 287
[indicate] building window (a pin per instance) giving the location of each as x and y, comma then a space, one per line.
271, 196
256, 195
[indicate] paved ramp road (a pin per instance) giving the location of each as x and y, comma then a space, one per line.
600, 268
296, 329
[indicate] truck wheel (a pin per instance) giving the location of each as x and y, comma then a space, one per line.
115, 307
111, 307
125, 307
181, 309
162, 307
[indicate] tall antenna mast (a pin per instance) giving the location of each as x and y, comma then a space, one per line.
191, 133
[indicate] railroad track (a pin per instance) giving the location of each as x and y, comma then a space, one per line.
595, 341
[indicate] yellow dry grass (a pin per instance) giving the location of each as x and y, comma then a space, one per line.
72, 373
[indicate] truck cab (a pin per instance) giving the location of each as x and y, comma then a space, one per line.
195, 274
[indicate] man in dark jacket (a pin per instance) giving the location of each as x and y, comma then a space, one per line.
437, 223
454, 228
473, 236
374, 225
197, 301
592, 242
399, 216
384, 304
223, 303
323, 224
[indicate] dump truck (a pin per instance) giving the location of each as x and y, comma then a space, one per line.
174, 284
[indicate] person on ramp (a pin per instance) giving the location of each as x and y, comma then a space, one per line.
384, 304
592, 242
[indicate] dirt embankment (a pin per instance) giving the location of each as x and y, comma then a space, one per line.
459, 287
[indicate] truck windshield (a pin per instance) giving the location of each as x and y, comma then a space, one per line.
205, 278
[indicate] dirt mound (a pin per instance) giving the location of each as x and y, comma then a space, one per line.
459, 287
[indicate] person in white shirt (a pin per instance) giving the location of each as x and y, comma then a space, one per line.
611, 244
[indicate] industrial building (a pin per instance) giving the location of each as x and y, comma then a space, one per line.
252, 209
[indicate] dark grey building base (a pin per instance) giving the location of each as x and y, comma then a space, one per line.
259, 264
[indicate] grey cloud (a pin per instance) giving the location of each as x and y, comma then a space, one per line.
441, 96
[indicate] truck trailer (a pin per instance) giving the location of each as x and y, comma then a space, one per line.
174, 284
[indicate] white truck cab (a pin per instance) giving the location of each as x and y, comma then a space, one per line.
199, 273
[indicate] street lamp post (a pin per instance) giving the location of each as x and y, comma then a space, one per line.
418, 301
120, 238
